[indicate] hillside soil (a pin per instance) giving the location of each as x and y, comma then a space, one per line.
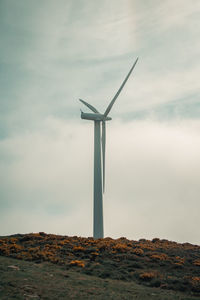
43, 266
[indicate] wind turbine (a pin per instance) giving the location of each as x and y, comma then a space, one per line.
99, 153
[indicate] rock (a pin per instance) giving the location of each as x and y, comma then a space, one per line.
31, 296
14, 267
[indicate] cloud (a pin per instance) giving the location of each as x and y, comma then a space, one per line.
152, 172
54, 53
157, 186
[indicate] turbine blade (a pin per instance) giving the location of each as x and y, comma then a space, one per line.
103, 150
119, 91
89, 106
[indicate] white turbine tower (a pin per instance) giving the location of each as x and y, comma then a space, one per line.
99, 152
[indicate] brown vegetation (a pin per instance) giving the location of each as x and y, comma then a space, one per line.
156, 263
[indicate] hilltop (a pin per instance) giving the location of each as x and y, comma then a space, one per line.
46, 266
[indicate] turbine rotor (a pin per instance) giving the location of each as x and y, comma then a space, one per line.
98, 117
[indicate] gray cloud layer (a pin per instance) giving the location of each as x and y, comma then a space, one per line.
53, 53
152, 179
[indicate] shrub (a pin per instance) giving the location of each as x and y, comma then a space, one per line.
94, 253
78, 263
195, 282
179, 261
78, 248
13, 240
120, 247
15, 248
138, 251
155, 240
161, 256
196, 262
147, 276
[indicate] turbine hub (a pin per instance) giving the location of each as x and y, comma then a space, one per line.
94, 117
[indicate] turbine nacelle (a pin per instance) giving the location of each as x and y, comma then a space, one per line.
94, 116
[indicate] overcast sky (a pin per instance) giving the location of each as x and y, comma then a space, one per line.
53, 53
